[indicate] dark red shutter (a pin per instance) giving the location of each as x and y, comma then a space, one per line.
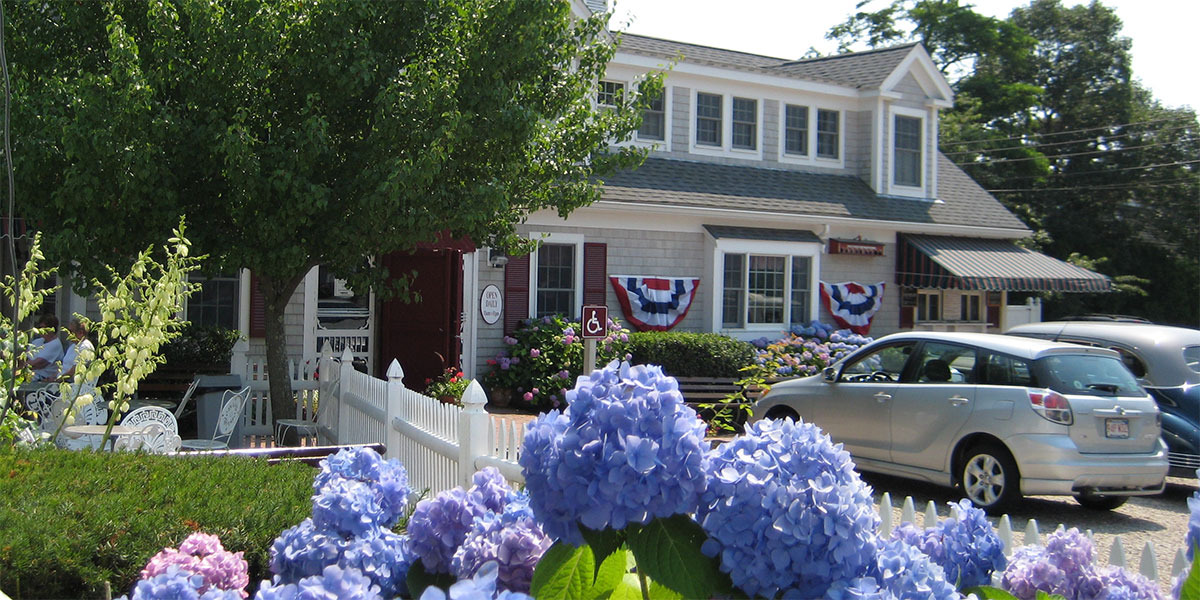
595, 273
516, 292
258, 310
993, 316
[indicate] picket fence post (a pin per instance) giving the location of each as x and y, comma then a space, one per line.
392, 407
344, 371
472, 432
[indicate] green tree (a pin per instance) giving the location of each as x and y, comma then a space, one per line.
295, 133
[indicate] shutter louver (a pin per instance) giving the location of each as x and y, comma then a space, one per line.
595, 274
516, 292
258, 310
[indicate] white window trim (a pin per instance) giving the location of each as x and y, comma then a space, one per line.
811, 158
890, 177
726, 148
556, 238
650, 142
596, 99
841, 133
810, 250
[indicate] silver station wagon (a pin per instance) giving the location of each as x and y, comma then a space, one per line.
1000, 416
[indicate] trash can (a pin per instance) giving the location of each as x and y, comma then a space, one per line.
210, 390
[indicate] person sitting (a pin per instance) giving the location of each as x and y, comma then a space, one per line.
80, 344
46, 350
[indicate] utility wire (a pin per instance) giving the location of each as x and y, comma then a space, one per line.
1040, 145
1105, 171
1069, 154
1115, 186
1028, 136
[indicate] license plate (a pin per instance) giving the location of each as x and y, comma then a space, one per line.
1116, 428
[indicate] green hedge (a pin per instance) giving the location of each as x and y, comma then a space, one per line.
70, 521
691, 354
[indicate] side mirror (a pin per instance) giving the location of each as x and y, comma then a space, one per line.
830, 374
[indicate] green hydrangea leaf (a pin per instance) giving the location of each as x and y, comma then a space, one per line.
565, 572
627, 589
987, 592
418, 579
1191, 585
668, 551
603, 542
610, 575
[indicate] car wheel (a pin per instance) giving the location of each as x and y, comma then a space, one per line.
990, 479
1096, 501
783, 412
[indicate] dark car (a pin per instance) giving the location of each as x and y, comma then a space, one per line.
1166, 361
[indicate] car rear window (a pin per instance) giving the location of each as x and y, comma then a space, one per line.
1088, 374
1191, 356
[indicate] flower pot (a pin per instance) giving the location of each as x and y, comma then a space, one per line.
448, 399
500, 397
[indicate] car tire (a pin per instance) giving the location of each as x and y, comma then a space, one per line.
1095, 501
989, 478
783, 412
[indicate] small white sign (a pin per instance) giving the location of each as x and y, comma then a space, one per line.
491, 304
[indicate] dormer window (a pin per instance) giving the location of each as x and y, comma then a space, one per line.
907, 151
745, 124
828, 128
708, 119
609, 93
654, 119
795, 130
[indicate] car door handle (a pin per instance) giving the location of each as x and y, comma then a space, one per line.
883, 396
958, 400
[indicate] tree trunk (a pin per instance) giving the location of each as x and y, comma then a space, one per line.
275, 297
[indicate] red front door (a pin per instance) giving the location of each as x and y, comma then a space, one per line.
423, 335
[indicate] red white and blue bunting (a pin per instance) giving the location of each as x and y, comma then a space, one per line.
654, 303
852, 305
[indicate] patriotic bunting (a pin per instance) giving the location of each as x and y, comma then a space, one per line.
654, 303
852, 304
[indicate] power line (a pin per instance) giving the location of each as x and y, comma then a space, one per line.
1039, 145
1064, 132
1070, 154
1115, 186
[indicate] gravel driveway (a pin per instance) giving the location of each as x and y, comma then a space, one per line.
1161, 519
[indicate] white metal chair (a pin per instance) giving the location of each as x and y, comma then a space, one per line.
232, 404
151, 414
305, 424
152, 437
50, 408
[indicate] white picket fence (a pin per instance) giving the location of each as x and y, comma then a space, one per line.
257, 419
434, 440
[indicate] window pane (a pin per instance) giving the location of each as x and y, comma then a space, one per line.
654, 119
609, 93
708, 119
216, 303
908, 151
827, 133
745, 123
795, 130
555, 280
731, 293
801, 293
764, 290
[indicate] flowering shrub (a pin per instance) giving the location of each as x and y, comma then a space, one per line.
202, 555
511, 540
966, 548
786, 512
175, 583
626, 450
544, 356
1064, 567
805, 350
450, 384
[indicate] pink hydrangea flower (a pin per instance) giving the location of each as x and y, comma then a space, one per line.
202, 554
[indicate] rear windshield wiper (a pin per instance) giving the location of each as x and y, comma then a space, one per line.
1104, 387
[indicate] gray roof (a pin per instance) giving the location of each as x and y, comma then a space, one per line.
855, 69
761, 233
679, 183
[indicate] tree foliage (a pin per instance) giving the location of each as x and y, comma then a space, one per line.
293, 133
1050, 118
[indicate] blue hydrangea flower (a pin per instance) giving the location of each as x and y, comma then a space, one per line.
1193, 533
438, 527
906, 572
860, 588
1177, 582
347, 506
178, 584
304, 551
968, 549
1031, 570
334, 583
786, 512
480, 587
513, 540
626, 450
1116, 583
493, 488
383, 559
387, 479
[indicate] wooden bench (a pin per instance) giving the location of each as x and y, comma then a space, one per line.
309, 455
709, 395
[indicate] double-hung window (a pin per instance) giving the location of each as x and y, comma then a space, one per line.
929, 305
828, 132
654, 118
609, 93
708, 119
745, 124
970, 307
556, 274
795, 130
907, 151
216, 303
762, 289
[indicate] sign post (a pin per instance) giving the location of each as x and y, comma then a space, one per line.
595, 326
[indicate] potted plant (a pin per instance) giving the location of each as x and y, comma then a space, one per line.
448, 387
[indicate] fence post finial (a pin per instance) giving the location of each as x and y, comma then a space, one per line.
395, 371
473, 426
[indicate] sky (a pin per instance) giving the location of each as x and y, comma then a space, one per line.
1163, 31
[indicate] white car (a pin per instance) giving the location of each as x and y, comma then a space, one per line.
1000, 416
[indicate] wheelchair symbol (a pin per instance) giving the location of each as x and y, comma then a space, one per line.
595, 320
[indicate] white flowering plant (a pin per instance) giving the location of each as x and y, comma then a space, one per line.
26, 291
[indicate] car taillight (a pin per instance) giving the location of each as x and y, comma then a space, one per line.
1052, 406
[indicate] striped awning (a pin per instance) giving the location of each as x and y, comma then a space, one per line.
928, 261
